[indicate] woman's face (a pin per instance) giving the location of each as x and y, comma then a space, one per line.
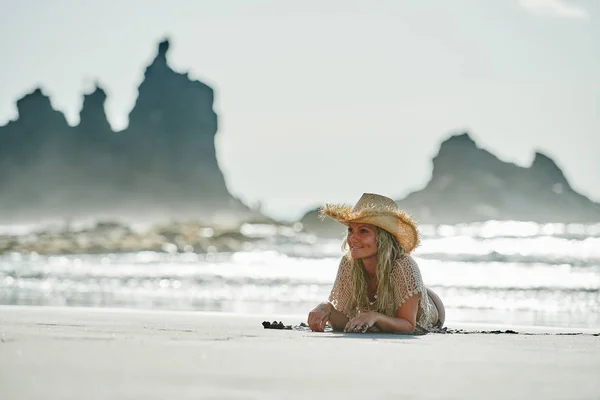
362, 240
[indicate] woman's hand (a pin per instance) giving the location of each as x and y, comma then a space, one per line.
319, 316
362, 322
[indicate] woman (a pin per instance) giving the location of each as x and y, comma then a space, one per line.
378, 286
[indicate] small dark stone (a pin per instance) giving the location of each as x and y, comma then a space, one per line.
276, 325
303, 325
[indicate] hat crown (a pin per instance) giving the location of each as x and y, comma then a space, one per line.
372, 201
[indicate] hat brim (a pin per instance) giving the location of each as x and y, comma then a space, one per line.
395, 221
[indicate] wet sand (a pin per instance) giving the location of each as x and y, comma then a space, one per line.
81, 353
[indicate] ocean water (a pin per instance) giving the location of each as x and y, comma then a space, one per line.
514, 273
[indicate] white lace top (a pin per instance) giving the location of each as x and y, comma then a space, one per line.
406, 280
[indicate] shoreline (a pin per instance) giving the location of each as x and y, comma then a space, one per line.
292, 319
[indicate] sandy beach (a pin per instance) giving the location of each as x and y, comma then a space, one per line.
75, 353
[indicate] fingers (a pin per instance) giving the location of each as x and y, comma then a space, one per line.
319, 325
313, 322
322, 324
316, 321
317, 318
358, 326
351, 326
315, 327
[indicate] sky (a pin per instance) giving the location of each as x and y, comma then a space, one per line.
320, 101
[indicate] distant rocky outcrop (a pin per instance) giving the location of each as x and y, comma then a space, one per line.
110, 238
469, 184
327, 227
163, 165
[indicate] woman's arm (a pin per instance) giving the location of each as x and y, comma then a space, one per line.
323, 313
405, 319
408, 289
338, 320
403, 322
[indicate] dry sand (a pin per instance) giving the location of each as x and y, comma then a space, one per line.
76, 353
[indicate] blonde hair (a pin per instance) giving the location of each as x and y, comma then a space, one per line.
388, 251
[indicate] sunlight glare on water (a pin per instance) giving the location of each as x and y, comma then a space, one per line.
513, 271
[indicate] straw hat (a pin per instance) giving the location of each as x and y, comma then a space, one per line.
380, 211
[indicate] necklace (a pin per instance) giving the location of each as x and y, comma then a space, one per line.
374, 300
373, 284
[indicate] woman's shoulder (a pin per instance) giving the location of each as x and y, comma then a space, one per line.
406, 270
407, 260
406, 263
344, 262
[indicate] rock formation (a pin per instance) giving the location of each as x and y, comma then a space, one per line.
469, 184
163, 165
